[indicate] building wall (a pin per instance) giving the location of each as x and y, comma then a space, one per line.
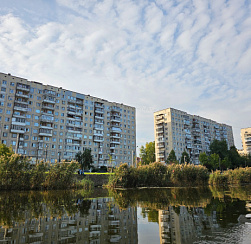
180, 131
246, 140
50, 123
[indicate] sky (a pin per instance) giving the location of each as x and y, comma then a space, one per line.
192, 55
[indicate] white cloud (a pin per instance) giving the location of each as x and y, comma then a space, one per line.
190, 55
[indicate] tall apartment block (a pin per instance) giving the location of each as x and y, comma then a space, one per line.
50, 123
180, 131
246, 140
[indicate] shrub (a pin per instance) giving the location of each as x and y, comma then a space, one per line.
217, 178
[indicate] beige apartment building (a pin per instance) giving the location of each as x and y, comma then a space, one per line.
246, 140
50, 123
180, 131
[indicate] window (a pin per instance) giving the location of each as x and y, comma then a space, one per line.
12, 83
7, 111
5, 134
35, 124
37, 111
7, 119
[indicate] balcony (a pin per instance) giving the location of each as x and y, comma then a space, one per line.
20, 109
45, 132
48, 118
98, 127
99, 105
115, 129
96, 116
21, 102
115, 119
18, 94
100, 122
17, 130
189, 146
98, 139
115, 136
79, 101
115, 141
46, 127
160, 145
115, 109
97, 133
23, 87
158, 122
49, 100
13, 122
99, 110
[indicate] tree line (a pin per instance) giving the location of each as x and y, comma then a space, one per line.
219, 156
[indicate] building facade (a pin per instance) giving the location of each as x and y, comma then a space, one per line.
246, 140
180, 131
50, 123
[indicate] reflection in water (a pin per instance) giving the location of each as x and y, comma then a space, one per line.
172, 215
97, 220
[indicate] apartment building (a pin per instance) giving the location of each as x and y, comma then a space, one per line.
180, 131
246, 140
51, 123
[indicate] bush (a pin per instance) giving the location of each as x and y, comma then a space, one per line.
85, 184
16, 172
237, 176
158, 175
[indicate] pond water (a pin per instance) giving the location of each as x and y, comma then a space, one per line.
169, 215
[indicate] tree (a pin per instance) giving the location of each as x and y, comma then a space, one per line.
204, 160
172, 157
5, 151
147, 153
234, 158
219, 147
214, 160
84, 158
185, 158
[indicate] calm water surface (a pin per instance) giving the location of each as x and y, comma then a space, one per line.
170, 215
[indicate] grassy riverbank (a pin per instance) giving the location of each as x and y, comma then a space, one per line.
159, 175
17, 173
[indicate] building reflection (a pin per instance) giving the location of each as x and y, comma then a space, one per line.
183, 225
97, 221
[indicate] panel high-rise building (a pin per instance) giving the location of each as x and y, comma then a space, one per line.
51, 123
180, 131
246, 140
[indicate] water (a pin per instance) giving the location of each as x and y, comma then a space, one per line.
170, 215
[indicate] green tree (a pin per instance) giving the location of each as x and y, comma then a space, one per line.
204, 160
219, 147
84, 158
172, 157
185, 158
147, 153
5, 151
214, 160
234, 158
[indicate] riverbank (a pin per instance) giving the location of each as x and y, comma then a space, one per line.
160, 175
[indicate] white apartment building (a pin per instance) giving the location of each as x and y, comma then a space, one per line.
180, 131
50, 123
246, 140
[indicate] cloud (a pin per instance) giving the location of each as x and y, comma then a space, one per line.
190, 55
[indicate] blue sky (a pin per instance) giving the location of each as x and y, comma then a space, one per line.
190, 55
